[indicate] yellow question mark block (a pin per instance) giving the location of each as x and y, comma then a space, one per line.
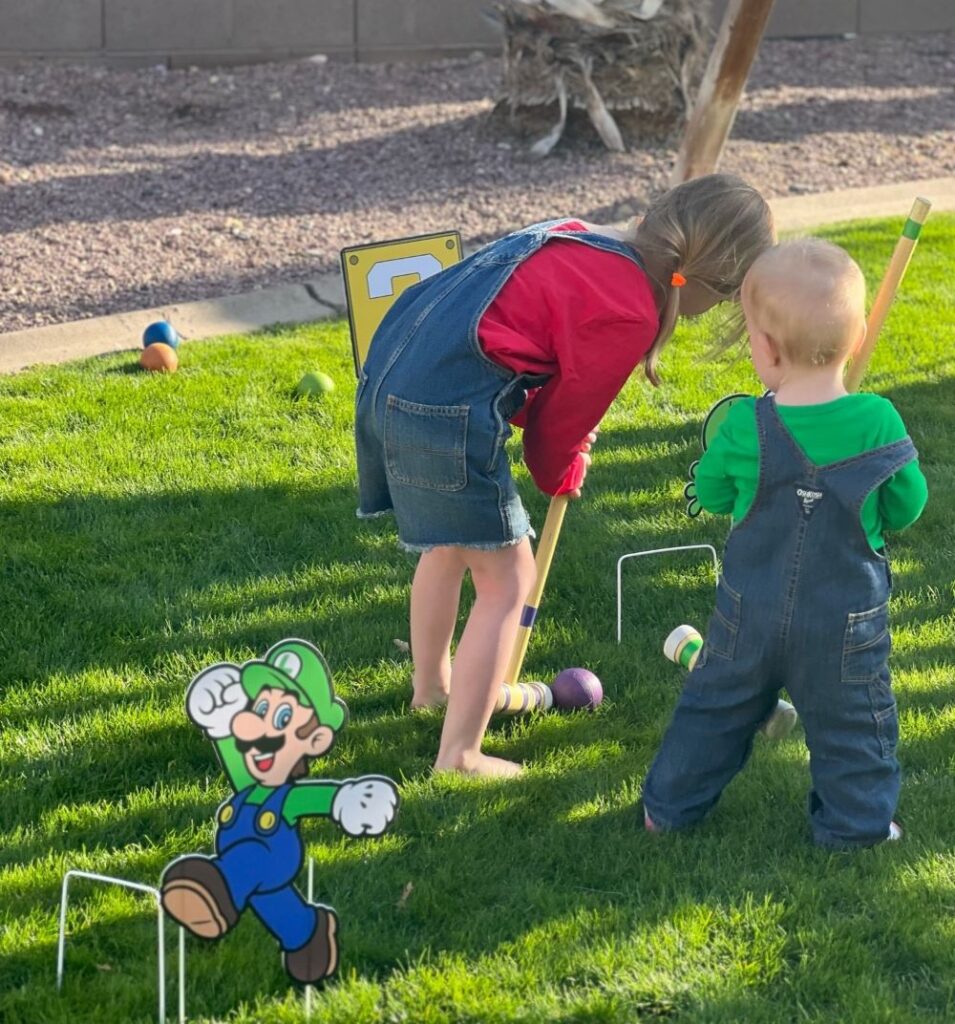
376, 274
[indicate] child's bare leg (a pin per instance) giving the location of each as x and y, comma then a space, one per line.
502, 579
435, 594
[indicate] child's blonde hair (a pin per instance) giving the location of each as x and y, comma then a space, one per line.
809, 296
710, 229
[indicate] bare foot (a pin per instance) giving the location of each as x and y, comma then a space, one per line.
429, 695
479, 764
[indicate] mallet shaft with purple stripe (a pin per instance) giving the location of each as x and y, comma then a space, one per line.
545, 554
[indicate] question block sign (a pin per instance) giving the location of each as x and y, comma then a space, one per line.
376, 274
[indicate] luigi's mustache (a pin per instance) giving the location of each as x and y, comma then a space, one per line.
266, 744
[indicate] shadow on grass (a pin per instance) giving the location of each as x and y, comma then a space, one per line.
172, 582
487, 866
478, 871
106, 582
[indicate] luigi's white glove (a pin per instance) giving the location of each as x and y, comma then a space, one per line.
214, 698
365, 806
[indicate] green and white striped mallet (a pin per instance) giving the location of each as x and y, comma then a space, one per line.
887, 289
512, 698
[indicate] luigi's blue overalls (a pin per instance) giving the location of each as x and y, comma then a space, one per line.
802, 604
260, 854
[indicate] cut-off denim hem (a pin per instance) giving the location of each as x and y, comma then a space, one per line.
421, 549
381, 514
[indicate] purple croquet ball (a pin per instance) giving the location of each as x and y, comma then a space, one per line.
577, 688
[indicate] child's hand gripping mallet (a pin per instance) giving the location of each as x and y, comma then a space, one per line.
891, 280
514, 698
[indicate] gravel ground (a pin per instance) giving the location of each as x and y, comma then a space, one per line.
120, 190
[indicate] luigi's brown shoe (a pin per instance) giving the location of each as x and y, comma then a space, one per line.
194, 892
318, 958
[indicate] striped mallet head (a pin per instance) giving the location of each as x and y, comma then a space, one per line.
523, 697
683, 646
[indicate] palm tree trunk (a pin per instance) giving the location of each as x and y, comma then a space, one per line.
630, 65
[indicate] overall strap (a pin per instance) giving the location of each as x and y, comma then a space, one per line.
854, 479
780, 458
597, 241
269, 815
276, 799
511, 249
229, 810
857, 477
238, 801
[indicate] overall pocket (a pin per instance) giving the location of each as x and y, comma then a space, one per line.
425, 445
723, 628
866, 646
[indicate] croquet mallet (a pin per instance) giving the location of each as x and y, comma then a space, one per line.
891, 280
513, 697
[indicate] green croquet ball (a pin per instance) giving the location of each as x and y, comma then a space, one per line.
315, 384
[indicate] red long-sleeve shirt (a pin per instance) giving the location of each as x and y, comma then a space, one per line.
584, 316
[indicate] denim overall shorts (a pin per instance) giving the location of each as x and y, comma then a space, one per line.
432, 411
802, 604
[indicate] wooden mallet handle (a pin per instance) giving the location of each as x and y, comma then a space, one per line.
887, 289
545, 554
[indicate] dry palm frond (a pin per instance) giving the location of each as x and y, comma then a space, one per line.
638, 58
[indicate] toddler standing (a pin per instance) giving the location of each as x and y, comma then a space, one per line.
813, 476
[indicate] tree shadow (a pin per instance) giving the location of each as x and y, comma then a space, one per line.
490, 864
456, 904
893, 117
852, 63
558, 853
120, 579
210, 181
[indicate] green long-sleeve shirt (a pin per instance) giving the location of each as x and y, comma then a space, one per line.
728, 473
308, 798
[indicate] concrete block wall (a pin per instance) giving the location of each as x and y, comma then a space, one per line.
178, 32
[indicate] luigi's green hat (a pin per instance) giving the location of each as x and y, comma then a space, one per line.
298, 667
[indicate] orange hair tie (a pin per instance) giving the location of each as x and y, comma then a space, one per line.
678, 280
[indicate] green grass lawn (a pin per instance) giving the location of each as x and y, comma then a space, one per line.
152, 525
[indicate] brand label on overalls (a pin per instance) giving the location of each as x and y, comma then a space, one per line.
808, 500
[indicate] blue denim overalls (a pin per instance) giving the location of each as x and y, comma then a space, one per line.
803, 604
259, 855
432, 410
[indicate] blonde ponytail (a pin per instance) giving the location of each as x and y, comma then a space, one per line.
710, 229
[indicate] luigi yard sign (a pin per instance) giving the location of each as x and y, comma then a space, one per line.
268, 719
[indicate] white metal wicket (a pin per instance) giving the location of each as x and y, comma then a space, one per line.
311, 891
160, 933
160, 937
656, 551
